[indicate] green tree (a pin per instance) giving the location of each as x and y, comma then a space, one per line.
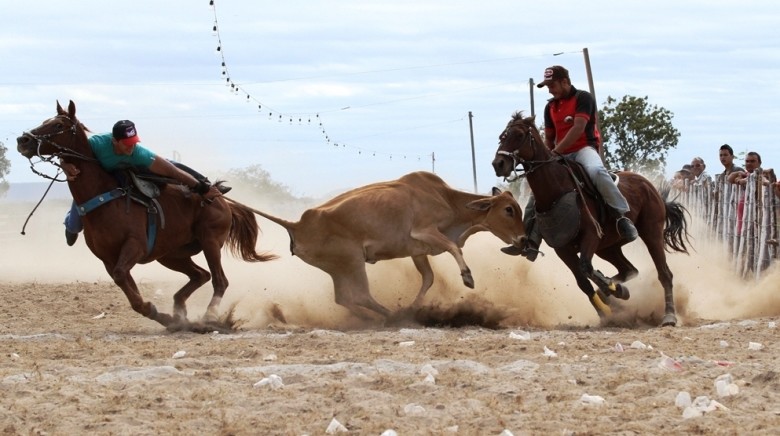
5, 168
636, 135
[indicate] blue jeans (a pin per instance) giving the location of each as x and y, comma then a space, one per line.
590, 160
73, 220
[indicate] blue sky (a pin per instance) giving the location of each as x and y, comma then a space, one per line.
391, 83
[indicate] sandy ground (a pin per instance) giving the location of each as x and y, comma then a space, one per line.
75, 358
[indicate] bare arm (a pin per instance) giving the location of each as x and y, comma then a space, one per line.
733, 177
571, 136
163, 167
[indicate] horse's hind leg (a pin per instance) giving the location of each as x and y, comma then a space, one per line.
665, 276
197, 275
213, 254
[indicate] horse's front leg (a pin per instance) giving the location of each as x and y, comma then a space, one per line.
120, 273
581, 270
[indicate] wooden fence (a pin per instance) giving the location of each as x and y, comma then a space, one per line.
743, 218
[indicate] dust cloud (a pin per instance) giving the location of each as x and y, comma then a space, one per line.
509, 291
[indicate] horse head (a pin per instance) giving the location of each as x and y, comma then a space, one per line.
61, 135
520, 142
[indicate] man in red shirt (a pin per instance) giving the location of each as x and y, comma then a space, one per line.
570, 130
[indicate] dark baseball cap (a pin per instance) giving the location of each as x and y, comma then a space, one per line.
555, 72
124, 132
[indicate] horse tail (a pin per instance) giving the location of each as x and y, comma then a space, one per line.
676, 230
243, 235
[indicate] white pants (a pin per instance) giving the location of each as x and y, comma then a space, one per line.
589, 158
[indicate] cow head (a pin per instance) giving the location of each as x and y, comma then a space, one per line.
502, 217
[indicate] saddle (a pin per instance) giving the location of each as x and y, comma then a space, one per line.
561, 223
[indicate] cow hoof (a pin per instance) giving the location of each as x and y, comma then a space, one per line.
468, 280
669, 320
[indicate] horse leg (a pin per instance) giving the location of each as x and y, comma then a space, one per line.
573, 262
197, 275
120, 273
657, 253
626, 271
213, 254
423, 265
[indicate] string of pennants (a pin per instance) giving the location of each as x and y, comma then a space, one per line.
237, 89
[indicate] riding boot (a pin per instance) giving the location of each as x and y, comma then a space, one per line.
626, 228
533, 238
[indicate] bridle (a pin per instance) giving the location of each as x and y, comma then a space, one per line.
62, 152
529, 166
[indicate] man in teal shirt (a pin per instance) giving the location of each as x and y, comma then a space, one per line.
121, 150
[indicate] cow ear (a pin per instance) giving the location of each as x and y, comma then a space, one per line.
483, 204
496, 191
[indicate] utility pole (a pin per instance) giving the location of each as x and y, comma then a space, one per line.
531, 91
473, 156
593, 93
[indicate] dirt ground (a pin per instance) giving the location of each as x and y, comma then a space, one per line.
75, 358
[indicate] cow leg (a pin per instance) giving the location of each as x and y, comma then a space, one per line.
439, 242
581, 272
423, 265
350, 287
197, 275
120, 273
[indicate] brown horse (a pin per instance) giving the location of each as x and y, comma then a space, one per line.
116, 232
661, 224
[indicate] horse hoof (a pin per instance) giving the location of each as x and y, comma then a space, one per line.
669, 320
621, 291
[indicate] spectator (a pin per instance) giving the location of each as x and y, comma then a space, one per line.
700, 176
683, 179
726, 155
752, 161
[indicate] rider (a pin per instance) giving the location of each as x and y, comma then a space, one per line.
570, 131
121, 149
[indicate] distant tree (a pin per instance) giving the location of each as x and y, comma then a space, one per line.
636, 135
257, 180
5, 168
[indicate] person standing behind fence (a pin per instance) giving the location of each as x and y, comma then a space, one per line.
700, 177
726, 155
752, 161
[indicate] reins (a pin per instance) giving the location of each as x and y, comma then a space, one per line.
529, 166
64, 152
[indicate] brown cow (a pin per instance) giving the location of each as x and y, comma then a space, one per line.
417, 215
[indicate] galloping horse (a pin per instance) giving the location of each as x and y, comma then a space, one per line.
116, 231
661, 224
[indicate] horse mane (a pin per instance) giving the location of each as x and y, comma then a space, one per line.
528, 121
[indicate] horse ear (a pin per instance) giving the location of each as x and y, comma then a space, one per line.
496, 191
60, 110
72, 110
